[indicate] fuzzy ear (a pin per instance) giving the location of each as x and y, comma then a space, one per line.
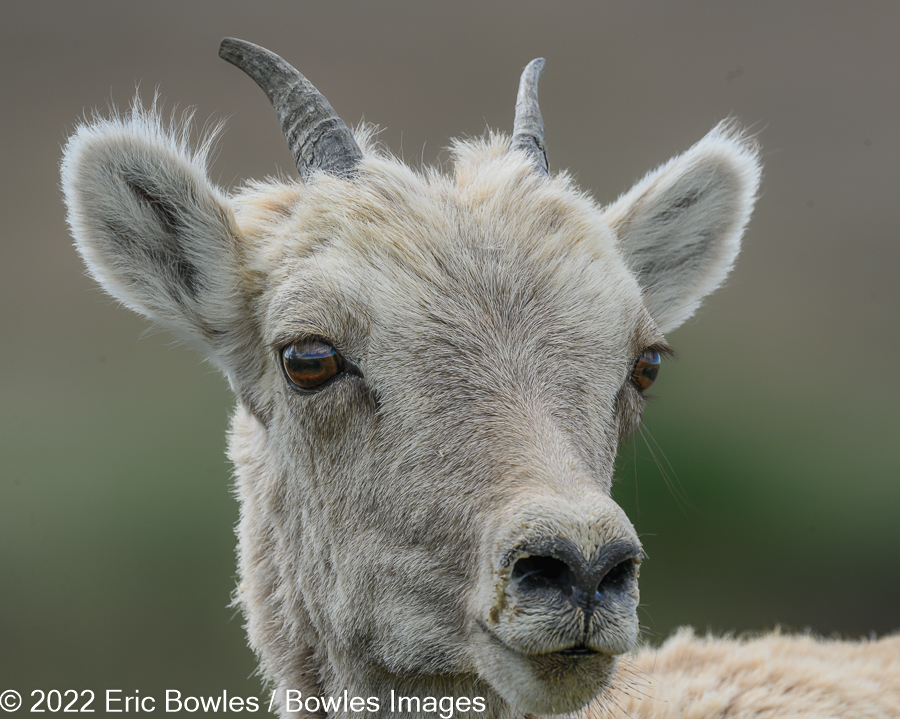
152, 229
680, 227
157, 235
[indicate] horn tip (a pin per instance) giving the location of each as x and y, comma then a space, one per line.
231, 48
537, 65
226, 45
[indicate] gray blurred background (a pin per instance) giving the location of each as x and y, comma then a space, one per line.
775, 497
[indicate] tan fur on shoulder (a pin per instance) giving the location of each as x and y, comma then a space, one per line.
774, 676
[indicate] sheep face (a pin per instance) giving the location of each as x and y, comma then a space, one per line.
444, 500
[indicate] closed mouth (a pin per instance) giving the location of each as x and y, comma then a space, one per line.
579, 650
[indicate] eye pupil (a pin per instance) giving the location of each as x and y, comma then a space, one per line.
309, 364
646, 368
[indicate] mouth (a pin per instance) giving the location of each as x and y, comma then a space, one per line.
579, 651
576, 651
546, 680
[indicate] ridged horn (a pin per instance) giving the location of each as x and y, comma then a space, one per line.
317, 137
528, 131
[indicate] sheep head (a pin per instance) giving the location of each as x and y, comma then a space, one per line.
433, 373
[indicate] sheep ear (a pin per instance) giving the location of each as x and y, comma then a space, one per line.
152, 229
680, 227
157, 235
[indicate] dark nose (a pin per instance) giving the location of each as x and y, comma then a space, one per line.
556, 566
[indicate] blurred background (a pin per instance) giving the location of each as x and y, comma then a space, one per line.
765, 485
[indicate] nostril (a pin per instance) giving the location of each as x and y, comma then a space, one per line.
559, 570
616, 577
536, 573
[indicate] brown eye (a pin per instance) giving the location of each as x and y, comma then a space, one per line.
309, 364
645, 369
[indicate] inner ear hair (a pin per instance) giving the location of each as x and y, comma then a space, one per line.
151, 227
680, 227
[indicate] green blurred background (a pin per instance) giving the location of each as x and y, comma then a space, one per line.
777, 426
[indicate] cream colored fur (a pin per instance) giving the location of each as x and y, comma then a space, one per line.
494, 317
768, 677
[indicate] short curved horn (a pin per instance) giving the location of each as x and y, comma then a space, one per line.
528, 132
317, 137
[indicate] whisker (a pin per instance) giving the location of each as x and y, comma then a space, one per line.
673, 483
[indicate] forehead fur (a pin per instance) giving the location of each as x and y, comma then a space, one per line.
493, 188
492, 221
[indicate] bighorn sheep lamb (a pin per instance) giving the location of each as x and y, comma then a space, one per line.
432, 375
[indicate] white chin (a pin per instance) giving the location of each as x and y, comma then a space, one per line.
554, 683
